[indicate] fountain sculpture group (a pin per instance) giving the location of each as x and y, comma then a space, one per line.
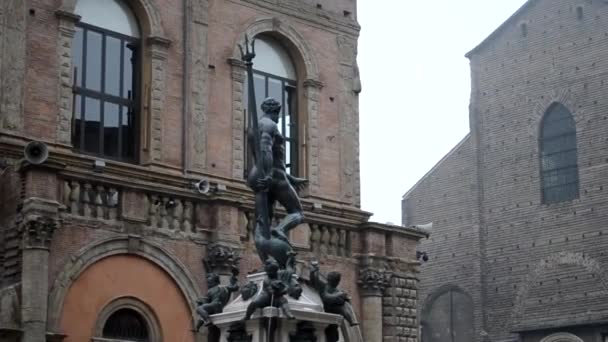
275, 305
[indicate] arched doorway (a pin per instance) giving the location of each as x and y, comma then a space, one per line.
448, 316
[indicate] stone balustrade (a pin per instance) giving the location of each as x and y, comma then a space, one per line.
91, 200
324, 238
329, 240
111, 203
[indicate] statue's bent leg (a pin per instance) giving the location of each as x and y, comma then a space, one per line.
283, 304
260, 302
288, 197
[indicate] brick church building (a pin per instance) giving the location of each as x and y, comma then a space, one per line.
137, 100
519, 245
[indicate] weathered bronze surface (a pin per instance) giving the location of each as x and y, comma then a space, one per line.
217, 297
273, 292
268, 177
334, 300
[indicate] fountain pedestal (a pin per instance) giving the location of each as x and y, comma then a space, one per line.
271, 325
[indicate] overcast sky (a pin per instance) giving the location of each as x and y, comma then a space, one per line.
416, 87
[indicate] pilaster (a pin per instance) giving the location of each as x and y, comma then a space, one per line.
67, 20
311, 144
239, 121
37, 232
154, 97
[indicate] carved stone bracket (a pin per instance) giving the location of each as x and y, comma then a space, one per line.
374, 275
222, 259
373, 282
38, 231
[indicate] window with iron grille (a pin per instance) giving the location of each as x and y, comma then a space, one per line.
106, 59
558, 156
274, 75
126, 324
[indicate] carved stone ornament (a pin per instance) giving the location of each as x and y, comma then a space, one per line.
372, 280
38, 231
222, 259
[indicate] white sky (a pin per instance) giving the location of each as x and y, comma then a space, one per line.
416, 87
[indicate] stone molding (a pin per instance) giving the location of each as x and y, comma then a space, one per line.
312, 15
562, 337
282, 27
128, 302
98, 250
152, 17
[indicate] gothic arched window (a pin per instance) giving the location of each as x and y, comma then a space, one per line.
274, 75
558, 156
126, 325
106, 61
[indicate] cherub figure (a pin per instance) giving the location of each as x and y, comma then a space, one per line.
217, 297
334, 300
273, 292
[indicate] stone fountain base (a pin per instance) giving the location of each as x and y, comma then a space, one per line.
311, 323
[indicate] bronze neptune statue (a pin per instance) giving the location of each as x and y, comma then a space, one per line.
268, 177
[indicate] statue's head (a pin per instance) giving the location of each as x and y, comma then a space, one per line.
213, 279
271, 107
271, 266
333, 278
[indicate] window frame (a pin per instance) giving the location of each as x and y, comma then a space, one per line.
561, 170
132, 303
292, 166
81, 92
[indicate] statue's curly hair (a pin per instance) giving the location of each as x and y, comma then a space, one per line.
270, 105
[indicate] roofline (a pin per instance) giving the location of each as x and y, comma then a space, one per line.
436, 166
500, 28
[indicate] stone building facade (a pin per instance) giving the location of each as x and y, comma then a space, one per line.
136, 100
517, 250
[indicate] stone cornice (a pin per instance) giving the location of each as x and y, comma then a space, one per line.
173, 183
410, 232
67, 15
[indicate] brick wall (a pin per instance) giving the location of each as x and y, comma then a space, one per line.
446, 197
543, 265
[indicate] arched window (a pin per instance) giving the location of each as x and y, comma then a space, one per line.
448, 317
106, 59
126, 325
275, 76
558, 156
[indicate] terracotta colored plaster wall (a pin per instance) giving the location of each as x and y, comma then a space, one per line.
120, 276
